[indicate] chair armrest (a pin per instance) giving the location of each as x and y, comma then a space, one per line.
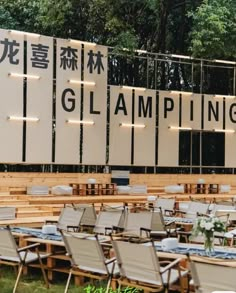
28, 247
170, 266
145, 229
110, 260
108, 229
184, 233
117, 228
51, 221
169, 223
181, 212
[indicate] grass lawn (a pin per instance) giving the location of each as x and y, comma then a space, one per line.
33, 283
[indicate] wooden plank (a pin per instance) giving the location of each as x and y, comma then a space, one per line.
89, 199
28, 222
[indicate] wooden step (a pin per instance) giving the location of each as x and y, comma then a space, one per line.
33, 213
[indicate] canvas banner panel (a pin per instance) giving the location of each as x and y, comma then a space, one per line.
94, 104
168, 139
68, 102
145, 138
39, 99
120, 136
11, 102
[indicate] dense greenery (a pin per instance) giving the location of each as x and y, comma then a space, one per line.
203, 28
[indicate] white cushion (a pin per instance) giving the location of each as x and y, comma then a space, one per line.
123, 189
62, 189
174, 189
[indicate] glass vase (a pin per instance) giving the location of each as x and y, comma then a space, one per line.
209, 245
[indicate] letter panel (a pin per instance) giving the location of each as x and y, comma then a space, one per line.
230, 138
39, 100
145, 138
191, 111
213, 113
120, 137
168, 140
11, 102
95, 105
67, 146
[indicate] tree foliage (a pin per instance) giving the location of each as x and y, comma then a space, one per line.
204, 28
214, 29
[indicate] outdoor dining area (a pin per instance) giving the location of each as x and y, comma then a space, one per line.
162, 246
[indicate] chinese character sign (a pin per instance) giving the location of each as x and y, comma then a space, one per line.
95, 104
39, 99
11, 101
68, 102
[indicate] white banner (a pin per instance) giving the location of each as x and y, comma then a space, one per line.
230, 137
95, 104
145, 138
68, 102
168, 139
213, 113
11, 102
39, 99
120, 136
191, 111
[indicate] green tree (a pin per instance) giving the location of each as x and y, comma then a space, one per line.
213, 33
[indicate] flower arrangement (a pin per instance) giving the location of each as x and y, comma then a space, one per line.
206, 226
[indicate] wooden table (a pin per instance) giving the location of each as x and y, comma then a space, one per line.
201, 188
166, 254
94, 188
58, 261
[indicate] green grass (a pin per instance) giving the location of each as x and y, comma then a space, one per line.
34, 283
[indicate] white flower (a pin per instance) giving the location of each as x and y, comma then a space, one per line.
209, 226
202, 224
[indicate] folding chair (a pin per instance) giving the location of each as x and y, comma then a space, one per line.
158, 226
212, 276
167, 205
11, 255
69, 218
89, 216
216, 207
107, 219
87, 259
196, 208
135, 223
140, 267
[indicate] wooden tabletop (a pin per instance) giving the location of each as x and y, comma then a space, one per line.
89, 199
120, 198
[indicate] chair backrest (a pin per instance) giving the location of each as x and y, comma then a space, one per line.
137, 262
89, 216
195, 208
158, 223
69, 217
208, 277
217, 207
225, 188
7, 213
86, 254
134, 221
165, 203
230, 213
8, 245
108, 219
